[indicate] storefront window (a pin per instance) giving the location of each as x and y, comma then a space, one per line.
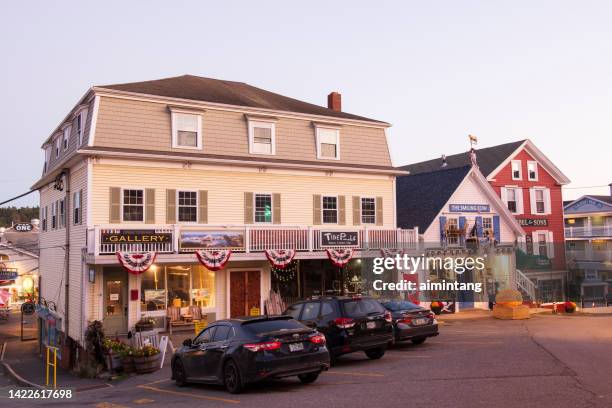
153, 289
202, 287
178, 285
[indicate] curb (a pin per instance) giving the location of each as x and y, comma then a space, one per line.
8, 370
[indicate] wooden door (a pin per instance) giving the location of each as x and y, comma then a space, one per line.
245, 292
115, 301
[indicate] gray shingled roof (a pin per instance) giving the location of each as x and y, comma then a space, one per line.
489, 158
230, 93
420, 197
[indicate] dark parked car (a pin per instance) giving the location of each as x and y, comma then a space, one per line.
411, 321
349, 323
235, 352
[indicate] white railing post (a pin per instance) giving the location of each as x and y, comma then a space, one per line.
366, 238
247, 239
97, 240
310, 239
175, 239
416, 237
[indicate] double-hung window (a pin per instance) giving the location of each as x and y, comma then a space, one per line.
262, 137
58, 143
542, 244
44, 217
263, 208
76, 205
329, 207
79, 123
516, 170
368, 210
328, 143
47, 158
54, 215
540, 205
511, 200
133, 205
186, 130
187, 206
453, 225
487, 223
532, 171
62, 213
66, 137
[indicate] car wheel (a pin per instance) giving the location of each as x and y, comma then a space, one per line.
308, 378
375, 354
178, 373
418, 340
231, 378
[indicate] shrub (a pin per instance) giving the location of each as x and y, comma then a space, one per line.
146, 351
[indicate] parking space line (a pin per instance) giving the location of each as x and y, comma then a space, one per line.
355, 373
189, 394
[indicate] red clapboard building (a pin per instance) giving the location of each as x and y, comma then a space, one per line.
530, 185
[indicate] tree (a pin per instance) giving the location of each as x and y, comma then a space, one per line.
11, 215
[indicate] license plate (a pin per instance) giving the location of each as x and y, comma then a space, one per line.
418, 322
296, 346
370, 325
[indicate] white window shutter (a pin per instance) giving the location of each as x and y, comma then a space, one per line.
504, 196
519, 201
551, 245
532, 201
536, 243
547, 206
522, 244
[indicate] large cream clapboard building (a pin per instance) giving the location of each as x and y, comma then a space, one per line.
201, 162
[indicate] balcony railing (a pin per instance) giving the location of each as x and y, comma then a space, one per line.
598, 255
583, 232
252, 238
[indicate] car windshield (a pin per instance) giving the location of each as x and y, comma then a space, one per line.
400, 305
361, 307
266, 326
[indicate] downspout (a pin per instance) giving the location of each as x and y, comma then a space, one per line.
67, 252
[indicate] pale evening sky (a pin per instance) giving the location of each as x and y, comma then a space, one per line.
438, 71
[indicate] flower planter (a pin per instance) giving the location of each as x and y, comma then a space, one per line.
128, 364
146, 365
144, 327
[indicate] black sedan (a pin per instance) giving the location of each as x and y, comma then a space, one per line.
410, 321
235, 352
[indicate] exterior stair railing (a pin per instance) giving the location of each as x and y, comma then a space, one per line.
526, 285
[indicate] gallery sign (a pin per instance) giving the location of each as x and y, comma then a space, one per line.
135, 237
212, 239
469, 208
8, 275
339, 239
533, 222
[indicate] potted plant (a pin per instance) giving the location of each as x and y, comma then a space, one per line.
127, 359
570, 307
145, 324
436, 307
146, 359
113, 349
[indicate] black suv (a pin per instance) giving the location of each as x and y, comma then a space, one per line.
349, 323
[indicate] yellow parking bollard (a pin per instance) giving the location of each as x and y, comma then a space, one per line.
54, 365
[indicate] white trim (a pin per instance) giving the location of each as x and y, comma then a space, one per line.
520, 169
261, 123
318, 141
228, 288
175, 144
545, 198
94, 121
112, 93
197, 193
337, 209
88, 189
144, 204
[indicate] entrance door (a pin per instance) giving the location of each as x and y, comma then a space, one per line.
245, 292
115, 302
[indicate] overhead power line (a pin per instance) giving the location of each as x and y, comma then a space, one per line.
19, 196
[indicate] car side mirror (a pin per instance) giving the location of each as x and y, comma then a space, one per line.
187, 342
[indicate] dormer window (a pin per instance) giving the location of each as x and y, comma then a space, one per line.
516, 170
66, 138
532, 170
79, 123
328, 143
47, 158
262, 137
186, 130
58, 142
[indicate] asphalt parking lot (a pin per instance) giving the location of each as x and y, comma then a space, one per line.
547, 361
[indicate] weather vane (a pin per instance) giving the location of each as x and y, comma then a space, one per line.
473, 142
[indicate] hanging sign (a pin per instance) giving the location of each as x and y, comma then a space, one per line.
8, 275
339, 239
469, 207
225, 239
214, 260
340, 257
136, 262
23, 227
280, 258
135, 237
533, 222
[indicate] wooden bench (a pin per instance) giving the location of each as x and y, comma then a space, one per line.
175, 320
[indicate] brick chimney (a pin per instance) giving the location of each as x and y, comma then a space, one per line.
334, 101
